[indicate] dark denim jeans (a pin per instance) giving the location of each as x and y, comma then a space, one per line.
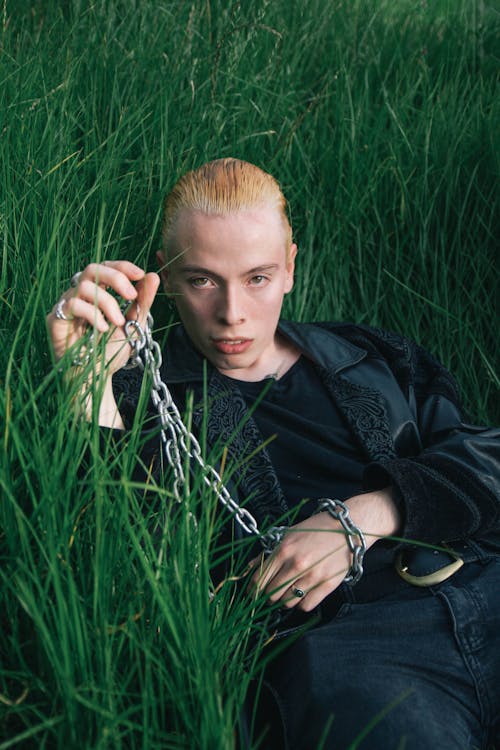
413, 670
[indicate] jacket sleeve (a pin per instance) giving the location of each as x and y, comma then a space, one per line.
450, 488
141, 436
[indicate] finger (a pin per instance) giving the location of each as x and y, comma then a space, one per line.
310, 575
146, 292
117, 275
293, 595
318, 593
78, 310
278, 584
253, 564
265, 572
105, 302
130, 270
279, 570
318, 585
288, 565
323, 577
258, 561
297, 597
283, 591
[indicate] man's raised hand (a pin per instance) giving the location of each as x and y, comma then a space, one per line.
90, 303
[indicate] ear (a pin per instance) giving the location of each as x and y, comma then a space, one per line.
290, 268
164, 275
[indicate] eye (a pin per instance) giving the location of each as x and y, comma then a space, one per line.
199, 282
258, 280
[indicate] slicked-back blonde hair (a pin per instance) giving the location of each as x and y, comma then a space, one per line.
222, 187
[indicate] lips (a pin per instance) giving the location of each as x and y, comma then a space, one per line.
232, 346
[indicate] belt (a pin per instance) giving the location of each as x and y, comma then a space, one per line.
389, 570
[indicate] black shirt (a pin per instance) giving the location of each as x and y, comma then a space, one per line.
312, 450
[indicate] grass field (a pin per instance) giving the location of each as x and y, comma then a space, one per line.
381, 120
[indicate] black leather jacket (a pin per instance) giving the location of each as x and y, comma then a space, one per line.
401, 405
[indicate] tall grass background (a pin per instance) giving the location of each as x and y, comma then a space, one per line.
380, 119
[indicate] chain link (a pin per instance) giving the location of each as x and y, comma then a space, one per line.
339, 511
178, 441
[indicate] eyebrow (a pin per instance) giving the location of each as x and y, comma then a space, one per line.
207, 272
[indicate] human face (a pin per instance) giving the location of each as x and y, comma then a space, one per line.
228, 278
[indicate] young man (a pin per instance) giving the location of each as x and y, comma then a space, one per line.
360, 415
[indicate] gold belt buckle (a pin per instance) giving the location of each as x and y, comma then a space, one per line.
430, 579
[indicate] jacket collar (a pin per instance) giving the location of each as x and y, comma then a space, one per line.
183, 364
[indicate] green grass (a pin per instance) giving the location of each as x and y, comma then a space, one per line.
380, 119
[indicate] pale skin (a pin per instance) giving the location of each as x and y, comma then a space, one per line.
229, 275
90, 304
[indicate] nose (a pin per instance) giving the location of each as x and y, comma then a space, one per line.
230, 308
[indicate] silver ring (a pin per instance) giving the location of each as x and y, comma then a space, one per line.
75, 278
59, 314
299, 593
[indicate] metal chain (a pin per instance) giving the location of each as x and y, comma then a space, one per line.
178, 441
339, 511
